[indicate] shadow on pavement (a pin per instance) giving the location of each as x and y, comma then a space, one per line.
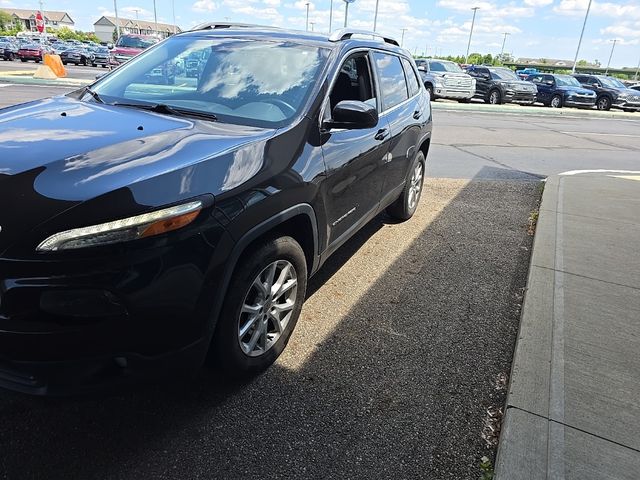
395, 387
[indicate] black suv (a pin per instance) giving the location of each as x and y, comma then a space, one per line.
498, 85
610, 92
154, 228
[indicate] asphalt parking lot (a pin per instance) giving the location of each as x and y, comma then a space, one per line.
403, 345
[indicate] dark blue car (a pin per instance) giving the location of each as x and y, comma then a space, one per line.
559, 91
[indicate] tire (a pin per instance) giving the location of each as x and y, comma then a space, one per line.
104, 66
407, 203
64, 63
556, 101
37, 61
603, 103
93, 65
23, 60
494, 97
464, 100
430, 91
231, 352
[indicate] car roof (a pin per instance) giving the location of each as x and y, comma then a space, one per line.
334, 41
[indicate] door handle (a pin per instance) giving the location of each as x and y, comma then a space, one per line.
417, 114
382, 134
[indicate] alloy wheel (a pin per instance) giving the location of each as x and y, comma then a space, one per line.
555, 102
494, 98
415, 186
603, 103
267, 308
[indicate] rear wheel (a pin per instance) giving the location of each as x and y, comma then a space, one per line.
261, 308
430, 90
556, 102
407, 203
603, 103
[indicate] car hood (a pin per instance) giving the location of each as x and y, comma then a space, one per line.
60, 152
451, 74
126, 51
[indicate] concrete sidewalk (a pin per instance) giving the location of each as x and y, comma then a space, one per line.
573, 409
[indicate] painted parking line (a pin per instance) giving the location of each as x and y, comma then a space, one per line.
602, 134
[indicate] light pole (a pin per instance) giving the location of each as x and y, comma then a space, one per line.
473, 21
312, 24
615, 40
155, 16
575, 60
503, 42
346, 11
330, 16
307, 4
173, 10
637, 70
115, 8
402, 39
375, 17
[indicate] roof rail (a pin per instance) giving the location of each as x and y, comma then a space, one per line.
347, 33
217, 25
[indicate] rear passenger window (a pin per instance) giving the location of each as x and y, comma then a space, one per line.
412, 81
392, 82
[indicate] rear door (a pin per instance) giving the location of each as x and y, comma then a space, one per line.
483, 81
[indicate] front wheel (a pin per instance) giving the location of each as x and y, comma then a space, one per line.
603, 103
556, 102
407, 203
495, 98
261, 308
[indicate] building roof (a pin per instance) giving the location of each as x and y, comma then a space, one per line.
140, 24
26, 14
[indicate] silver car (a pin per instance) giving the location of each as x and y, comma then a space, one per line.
445, 79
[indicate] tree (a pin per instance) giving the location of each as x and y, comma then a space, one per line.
582, 63
8, 24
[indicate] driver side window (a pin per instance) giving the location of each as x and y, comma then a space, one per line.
354, 82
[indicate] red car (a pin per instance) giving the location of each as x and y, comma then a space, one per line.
128, 46
33, 51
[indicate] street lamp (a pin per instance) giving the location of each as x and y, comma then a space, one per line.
473, 21
155, 15
503, 42
330, 16
307, 4
346, 10
637, 70
575, 60
402, 39
375, 17
173, 9
312, 24
115, 8
615, 40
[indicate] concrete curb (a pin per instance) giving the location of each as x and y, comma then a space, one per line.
532, 110
29, 80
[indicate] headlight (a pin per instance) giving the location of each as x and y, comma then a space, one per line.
623, 96
439, 82
132, 228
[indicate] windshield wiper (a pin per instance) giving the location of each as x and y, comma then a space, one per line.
95, 95
169, 110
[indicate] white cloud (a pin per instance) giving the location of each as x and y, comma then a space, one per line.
204, 6
616, 10
137, 12
538, 3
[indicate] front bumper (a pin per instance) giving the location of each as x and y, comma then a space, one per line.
626, 104
444, 92
512, 96
586, 102
67, 326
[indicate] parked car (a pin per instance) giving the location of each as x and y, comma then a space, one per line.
9, 50
525, 73
60, 46
610, 92
635, 87
129, 45
558, 91
194, 64
165, 227
33, 51
498, 85
445, 79
77, 55
99, 55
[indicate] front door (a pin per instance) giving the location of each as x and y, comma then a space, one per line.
355, 159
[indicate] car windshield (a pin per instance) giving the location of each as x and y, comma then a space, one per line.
503, 74
226, 77
566, 81
136, 42
445, 67
611, 82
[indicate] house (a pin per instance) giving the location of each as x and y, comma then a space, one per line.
552, 62
105, 27
52, 19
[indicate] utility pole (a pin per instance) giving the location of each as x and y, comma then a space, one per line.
375, 17
136, 10
155, 16
312, 24
346, 11
575, 60
115, 8
402, 40
473, 21
330, 17
503, 42
307, 28
611, 55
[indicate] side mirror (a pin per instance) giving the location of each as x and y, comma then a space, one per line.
422, 68
110, 46
485, 76
353, 115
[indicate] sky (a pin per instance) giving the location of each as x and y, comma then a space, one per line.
536, 28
